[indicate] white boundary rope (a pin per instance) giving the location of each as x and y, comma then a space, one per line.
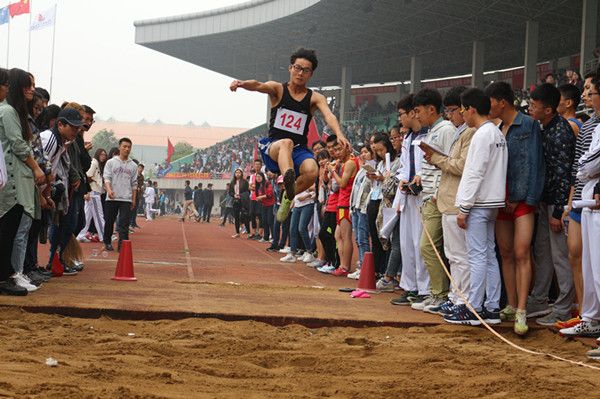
486, 325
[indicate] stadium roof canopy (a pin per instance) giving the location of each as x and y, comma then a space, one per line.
376, 38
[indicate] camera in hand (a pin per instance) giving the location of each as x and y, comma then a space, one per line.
58, 189
412, 189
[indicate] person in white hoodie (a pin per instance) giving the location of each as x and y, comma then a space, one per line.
481, 193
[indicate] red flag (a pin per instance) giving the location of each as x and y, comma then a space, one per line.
21, 7
170, 150
313, 134
255, 154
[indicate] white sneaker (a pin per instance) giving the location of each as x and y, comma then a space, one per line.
289, 258
262, 240
23, 281
236, 235
285, 250
82, 239
308, 257
583, 329
354, 275
421, 305
327, 269
316, 263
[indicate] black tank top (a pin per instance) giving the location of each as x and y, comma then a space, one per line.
290, 118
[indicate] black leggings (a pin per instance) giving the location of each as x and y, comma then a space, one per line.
9, 224
327, 237
237, 214
378, 252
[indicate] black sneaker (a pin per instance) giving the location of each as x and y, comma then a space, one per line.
35, 279
77, 266
405, 299
462, 315
273, 249
491, 316
8, 287
43, 272
108, 247
69, 271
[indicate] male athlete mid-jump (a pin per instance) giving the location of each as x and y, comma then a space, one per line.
292, 107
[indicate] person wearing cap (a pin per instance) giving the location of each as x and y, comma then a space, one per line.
56, 142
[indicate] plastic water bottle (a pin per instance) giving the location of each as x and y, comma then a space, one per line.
94, 252
566, 222
104, 254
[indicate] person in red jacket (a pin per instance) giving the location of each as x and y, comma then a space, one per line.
266, 198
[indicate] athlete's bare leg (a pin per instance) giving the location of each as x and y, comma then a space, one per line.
505, 239
308, 174
345, 229
281, 151
524, 226
574, 246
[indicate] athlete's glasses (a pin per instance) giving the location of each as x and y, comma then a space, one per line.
300, 69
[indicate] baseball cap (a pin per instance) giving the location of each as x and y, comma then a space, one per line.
70, 116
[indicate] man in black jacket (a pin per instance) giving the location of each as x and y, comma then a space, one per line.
209, 200
199, 200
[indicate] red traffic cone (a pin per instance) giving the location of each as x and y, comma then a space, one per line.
57, 267
366, 282
124, 270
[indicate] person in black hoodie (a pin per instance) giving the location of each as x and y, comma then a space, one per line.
198, 200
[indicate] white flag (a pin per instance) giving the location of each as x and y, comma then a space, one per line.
43, 19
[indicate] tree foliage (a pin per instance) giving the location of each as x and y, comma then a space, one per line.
104, 139
182, 149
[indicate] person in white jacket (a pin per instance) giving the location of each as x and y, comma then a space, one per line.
481, 193
149, 197
589, 173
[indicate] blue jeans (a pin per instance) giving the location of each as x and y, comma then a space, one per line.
280, 229
300, 219
20, 243
360, 224
61, 234
481, 249
267, 219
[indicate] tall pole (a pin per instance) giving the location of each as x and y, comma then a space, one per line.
8, 43
29, 39
53, 37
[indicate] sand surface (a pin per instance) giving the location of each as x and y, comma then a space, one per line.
206, 358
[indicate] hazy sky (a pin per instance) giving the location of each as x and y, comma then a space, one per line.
97, 63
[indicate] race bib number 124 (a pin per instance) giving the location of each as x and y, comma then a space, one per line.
290, 121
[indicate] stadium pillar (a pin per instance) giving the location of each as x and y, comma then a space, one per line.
269, 77
416, 67
477, 65
345, 92
532, 33
589, 26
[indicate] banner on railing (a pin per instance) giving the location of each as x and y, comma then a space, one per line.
200, 176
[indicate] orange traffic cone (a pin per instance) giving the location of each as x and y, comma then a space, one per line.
366, 282
57, 267
124, 270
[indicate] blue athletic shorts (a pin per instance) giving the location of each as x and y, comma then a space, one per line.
575, 214
299, 155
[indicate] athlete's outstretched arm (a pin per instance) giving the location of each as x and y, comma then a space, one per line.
331, 120
269, 88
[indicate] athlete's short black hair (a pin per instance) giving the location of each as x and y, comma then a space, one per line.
43, 92
500, 91
406, 103
547, 94
125, 140
428, 96
307, 54
570, 92
476, 98
453, 96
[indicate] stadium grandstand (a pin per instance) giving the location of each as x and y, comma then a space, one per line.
394, 48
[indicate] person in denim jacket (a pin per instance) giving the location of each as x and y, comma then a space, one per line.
524, 185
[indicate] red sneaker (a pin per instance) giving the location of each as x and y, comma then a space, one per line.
340, 272
568, 324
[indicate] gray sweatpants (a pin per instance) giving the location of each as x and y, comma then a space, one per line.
552, 256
